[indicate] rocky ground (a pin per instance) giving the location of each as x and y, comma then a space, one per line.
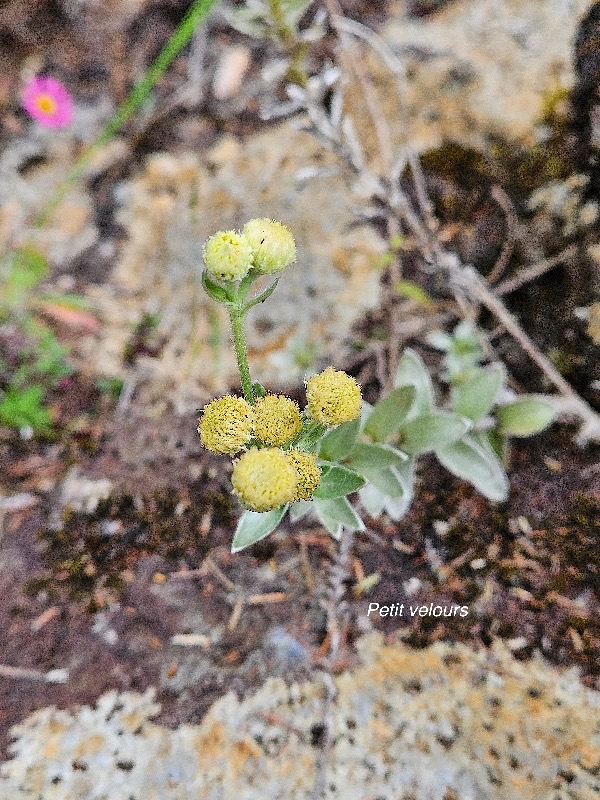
115, 530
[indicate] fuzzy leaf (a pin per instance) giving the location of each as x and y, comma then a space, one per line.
215, 290
258, 390
335, 515
397, 507
337, 481
413, 372
372, 500
338, 443
309, 437
385, 480
524, 417
378, 456
432, 431
475, 396
261, 297
300, 509
254, 526
390, 412
375, 501
375, 462
476, 463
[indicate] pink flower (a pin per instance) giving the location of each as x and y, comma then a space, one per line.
48, 102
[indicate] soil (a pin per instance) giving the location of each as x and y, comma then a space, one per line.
101, 594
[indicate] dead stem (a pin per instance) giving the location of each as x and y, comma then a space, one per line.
534, 271
503, 200
334, 607
356, 65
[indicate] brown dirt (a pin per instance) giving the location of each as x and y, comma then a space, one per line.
102, 594
169, 511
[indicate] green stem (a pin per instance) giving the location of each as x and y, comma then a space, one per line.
236, 315
181, 36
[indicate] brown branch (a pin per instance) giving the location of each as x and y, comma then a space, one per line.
535, 271
333, 605
503, 200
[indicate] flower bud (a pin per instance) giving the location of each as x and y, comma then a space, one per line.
333, 397
226, 425
227, 256
264, 479
273, 246
277, 419
309, 474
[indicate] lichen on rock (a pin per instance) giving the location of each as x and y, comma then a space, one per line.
170, 208
441, 722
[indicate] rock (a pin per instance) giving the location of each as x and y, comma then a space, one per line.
442, 722
81, 494
169, 210
479, 69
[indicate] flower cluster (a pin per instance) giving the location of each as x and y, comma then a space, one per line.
227, 425
333, 397
275, 469
264, 245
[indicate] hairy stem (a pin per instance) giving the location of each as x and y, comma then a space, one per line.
236, 316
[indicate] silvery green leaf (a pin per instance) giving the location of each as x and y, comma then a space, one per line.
464, 353
338, 443
254, 526
255, 18
261, 297
389, 413
365, 412
396, 507
432, 431
300, 509
372, 500
309, 437
439, 339
337, 481
335, 515
475, 396
476, 463
413, 372
249, 18
375, 462
375, 501
406, 474
384, 479
497, 442
377, 456
524, 417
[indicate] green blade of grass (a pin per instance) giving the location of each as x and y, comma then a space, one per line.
181, 36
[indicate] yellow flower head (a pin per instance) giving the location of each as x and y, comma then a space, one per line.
264, 479
272, 244
333, 397
226, 425
309, 475
277, 419
227, 255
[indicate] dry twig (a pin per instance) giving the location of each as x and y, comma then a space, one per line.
334, 606
468, 287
